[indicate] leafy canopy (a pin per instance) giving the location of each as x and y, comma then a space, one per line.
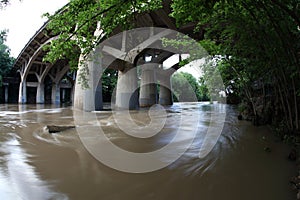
6, 61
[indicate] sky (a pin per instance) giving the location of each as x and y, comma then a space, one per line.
23, 18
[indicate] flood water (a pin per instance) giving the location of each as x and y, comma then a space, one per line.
37, 165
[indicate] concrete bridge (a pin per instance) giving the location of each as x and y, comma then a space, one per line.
42, 82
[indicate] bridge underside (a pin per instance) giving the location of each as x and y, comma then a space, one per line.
42, 82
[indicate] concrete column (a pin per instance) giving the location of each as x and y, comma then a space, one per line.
23, 92
78, 89
40, 93
84, 98
72, 94
63, 95
98, 97
148, 90
73, 87
127, 93
6, 93
55, 95
165, 91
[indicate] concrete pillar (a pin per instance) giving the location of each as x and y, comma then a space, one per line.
127, 93
63, 95
98, 97
148, 90
6, 93
165, 91
55, 95
40, 93
72, 94
23, 92
73, 87
84, 98
78, 89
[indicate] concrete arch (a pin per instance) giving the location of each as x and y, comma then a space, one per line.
25, 70
34, 56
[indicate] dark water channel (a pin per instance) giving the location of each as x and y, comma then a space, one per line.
37, 165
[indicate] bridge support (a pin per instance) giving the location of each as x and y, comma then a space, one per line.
89, 99
127, 93
165, 91
98, 96
6, 92
148, 90
72, 94
40, 93
23, 92
55, 95
63, 94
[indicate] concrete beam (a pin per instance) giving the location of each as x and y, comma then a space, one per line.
32, 84
65, 85
131, 55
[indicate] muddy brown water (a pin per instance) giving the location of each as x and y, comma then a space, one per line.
37, 165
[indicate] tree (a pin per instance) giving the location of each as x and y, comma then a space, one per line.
203, 90
6, 61
186, 87
259, 43
109, 82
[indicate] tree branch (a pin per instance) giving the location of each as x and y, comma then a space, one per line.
288, 11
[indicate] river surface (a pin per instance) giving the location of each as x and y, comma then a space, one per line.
37, 165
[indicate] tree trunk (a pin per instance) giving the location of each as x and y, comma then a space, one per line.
296, 105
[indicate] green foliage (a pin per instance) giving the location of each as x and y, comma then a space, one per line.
211, 47
212, 78
203, 90
109, 82
185, 44
242, 107
185, 86
6, 61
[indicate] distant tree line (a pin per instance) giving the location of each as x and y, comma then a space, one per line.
6, 61
186, 85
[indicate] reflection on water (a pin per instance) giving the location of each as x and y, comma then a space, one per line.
37, 165
18, 179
